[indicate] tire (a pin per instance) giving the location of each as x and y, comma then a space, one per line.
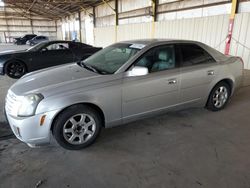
15, 69
77, 127
219, 97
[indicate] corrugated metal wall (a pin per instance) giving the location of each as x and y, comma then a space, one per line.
14, 24
104, 36
134, 31
211, 30
240, 45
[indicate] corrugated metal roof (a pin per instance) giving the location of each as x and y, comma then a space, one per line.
52, 9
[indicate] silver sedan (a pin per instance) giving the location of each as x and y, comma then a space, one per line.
119, 84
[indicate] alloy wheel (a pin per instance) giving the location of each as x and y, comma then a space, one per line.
16, 70
79, 129
220, 96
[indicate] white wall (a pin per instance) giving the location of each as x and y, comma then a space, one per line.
240, 45
211, 30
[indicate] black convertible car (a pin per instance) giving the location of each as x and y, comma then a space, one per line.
46, 54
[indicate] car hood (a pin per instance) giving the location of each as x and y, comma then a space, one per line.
57, 80
11, 52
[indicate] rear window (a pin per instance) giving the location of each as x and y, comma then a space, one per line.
193, 54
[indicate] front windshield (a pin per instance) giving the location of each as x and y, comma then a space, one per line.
110, 59
36, 47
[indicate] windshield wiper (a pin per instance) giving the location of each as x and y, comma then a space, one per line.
91, 68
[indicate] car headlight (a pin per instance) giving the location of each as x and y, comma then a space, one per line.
29, 104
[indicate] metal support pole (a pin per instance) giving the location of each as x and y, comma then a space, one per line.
80, 26
115, 10
116, 19
94, 18
31, 25
234, 8
154, 15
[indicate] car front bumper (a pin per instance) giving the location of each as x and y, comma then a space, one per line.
30, 131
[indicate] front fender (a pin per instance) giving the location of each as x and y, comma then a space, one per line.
108, 100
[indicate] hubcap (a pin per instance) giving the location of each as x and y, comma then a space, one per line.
79, 129
220, 97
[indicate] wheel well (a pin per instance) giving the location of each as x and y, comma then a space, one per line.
93, 106
228, 81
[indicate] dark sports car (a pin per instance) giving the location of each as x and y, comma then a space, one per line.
23, 39
46, 54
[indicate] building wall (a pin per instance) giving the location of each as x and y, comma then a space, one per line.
240, 45
208, 24
15, 25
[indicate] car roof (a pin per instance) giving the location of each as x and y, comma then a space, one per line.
65, 41
155, 41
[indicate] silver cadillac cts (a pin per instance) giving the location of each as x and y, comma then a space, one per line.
119, 84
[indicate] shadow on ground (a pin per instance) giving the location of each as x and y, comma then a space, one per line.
5, 131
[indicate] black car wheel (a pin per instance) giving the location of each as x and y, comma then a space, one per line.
219, 97
77, 127
15, 69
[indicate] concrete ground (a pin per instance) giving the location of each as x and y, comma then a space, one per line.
190, 148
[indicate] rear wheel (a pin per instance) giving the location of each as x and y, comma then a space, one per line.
15, 69
219, 97
77, 127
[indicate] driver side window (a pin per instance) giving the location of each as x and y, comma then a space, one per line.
58, 46
158, 59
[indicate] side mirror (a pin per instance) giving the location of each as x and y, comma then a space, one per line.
44, 50
138, 71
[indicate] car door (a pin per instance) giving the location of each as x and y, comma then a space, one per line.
52, 55
158, 90
198, 69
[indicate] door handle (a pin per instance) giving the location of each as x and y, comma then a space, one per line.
210, 72
172, 81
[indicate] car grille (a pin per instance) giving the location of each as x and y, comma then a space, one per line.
12, 103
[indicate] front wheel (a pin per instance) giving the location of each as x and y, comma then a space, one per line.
77, 127
15, 69
219, 97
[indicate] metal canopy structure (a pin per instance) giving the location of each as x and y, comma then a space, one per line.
51, 9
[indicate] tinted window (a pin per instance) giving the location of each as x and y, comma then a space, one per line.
158, 59
193, 55
76, 45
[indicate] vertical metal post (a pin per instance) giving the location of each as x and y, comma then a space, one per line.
234, 8
115, 10
154, 15
80, 25
31, 25
63, 34
56, 27
116, 19
154, 8
7, 26
94, 18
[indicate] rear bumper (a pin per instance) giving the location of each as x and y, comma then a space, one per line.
238, 82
